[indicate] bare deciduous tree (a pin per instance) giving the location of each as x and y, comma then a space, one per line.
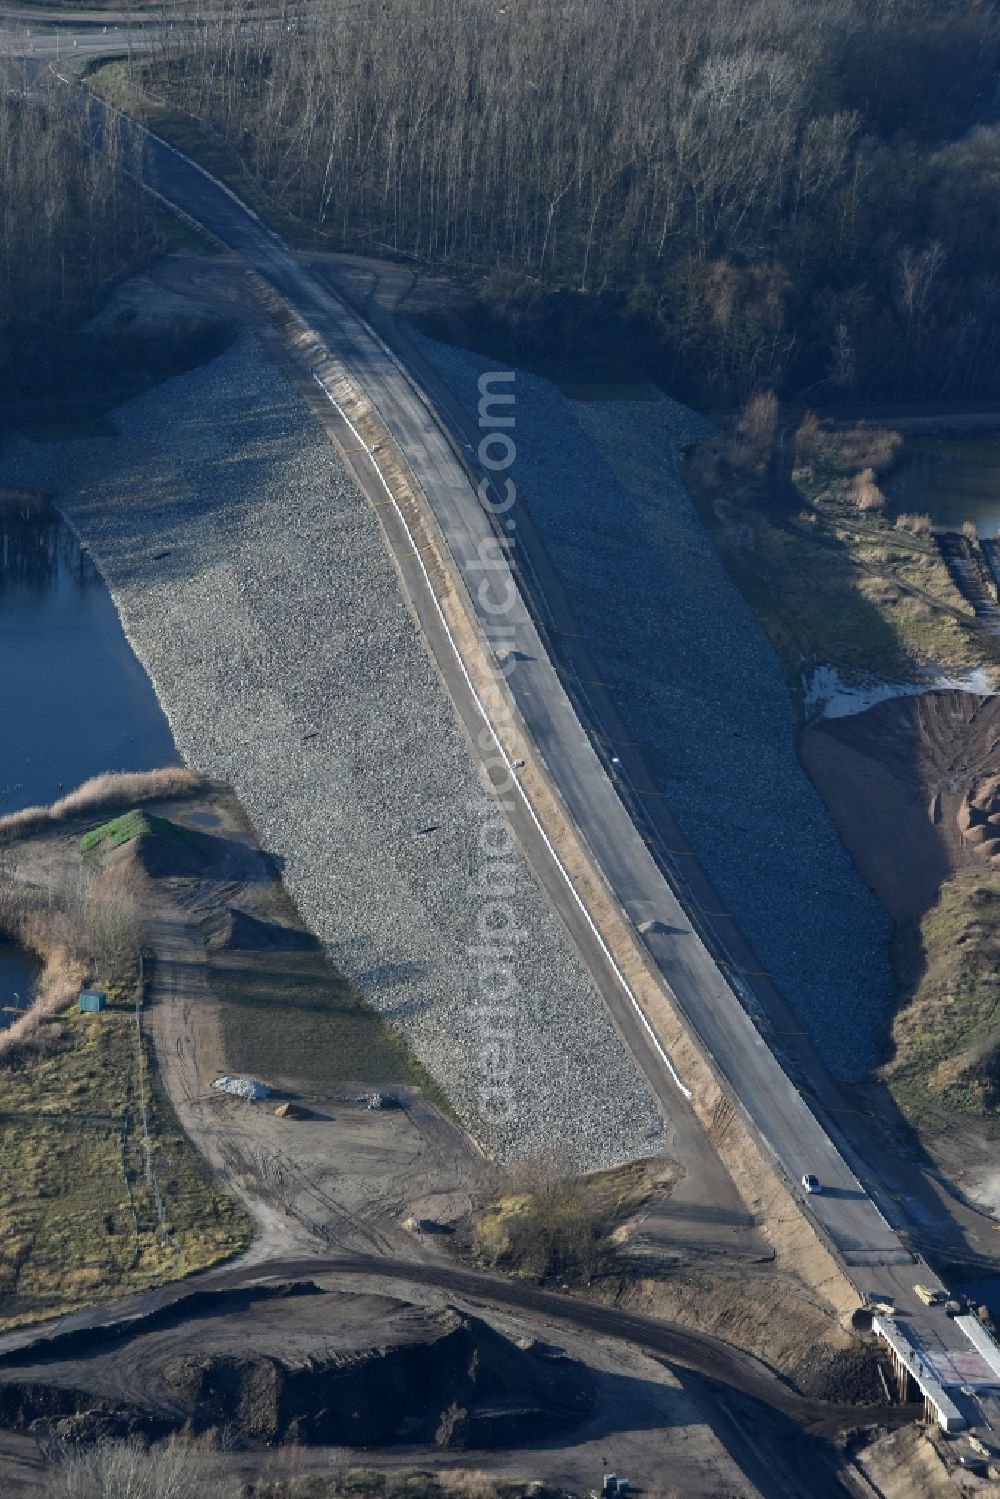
176, 1469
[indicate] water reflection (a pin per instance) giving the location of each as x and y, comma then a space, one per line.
950, 478
36, 546
18, 972
74, 700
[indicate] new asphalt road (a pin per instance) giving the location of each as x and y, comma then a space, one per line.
720, 1008
709, 1003
708, 999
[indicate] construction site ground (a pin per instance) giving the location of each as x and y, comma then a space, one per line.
346, 1175
351, 1180
346, 1179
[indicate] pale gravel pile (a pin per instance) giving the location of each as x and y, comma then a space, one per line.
698, 685
254, 585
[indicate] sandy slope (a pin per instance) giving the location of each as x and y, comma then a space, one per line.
894, 778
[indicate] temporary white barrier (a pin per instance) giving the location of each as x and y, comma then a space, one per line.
946, 1412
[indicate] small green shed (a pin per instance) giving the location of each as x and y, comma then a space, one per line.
92, 1001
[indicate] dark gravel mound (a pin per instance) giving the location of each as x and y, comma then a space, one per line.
240, 932
464, 1385
72, 1415
295, 1364
160, 855
846, 1376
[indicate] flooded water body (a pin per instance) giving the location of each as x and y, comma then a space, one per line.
74, 700
950, 478
18, 971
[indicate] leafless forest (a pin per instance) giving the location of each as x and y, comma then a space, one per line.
69, 219
738, 192
721, 194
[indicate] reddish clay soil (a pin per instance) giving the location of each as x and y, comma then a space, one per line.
911, 784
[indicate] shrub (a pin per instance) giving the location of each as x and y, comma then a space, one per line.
859, 447
549, 1224
917, 525
127, 1470
867, 495
753, 437
808, 439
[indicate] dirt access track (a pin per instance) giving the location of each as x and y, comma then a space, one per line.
235, 985
688, 1419
330, 1193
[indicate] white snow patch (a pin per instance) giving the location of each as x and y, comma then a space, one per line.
242, 1087
829, 695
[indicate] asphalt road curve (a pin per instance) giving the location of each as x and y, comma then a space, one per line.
727, 1032
725, 1028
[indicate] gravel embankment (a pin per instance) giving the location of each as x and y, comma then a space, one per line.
698, 685
254, 585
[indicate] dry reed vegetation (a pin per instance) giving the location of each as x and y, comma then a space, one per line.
89, 928
867, 495
834, 580
846, 450
917, 525
114, 789
750, 446
181, 1468
86, 930
547, 1221
101, 1191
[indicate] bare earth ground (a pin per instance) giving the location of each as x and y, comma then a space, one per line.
897, 778
347, 1178
349, 1175
645, 1419
894, 778
902, 1465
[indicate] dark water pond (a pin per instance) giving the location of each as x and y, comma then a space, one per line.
74, 700
984, 1293
952, 479
18, 971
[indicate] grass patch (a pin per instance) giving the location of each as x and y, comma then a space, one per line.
176, 237
945, 1064
294, 1016
79, 1223
136, 824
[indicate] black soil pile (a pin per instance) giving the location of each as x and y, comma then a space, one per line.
237, 931
161, 854
70, 1416
845, 1376
441, 1378
152, 845
465, 1387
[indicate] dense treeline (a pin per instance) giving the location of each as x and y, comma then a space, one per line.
763, 190
69, 220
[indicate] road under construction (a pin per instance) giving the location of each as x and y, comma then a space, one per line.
569, 791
